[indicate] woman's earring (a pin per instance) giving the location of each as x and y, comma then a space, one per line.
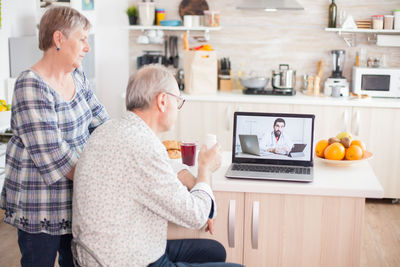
58, 49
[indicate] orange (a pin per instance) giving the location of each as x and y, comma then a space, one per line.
320, 148
354, 152
335, 151
360, 144
3, 108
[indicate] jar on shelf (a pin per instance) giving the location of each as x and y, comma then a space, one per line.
388, 22
211, 18
396, 14
377, 22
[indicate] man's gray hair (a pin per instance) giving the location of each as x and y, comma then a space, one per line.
146, 84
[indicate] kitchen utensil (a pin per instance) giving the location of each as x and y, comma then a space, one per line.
150, 57
180, 79
146, 13
173, 51
254, 82
284, 79
192, 7
170, 22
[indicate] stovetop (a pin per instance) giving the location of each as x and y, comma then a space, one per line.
257, 91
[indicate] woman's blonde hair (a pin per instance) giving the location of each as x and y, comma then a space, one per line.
60, 18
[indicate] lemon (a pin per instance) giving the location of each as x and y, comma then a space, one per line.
3, 102
344, 134
3, 108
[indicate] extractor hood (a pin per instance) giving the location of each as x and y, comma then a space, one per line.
270, 5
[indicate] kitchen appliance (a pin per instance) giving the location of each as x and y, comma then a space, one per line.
283, 80
337, 83
376, 82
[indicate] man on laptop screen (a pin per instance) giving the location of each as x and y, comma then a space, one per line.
278, 141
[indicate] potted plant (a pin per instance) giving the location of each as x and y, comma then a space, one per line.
132, 14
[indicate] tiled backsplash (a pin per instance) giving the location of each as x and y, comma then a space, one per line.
260, 40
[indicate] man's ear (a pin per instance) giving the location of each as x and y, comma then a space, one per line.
58, 38
161, 102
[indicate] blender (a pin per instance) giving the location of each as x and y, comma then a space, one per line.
337, 85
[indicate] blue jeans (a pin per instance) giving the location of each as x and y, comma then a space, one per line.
193, 253
40, 250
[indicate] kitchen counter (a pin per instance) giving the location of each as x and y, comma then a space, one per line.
238, 97
356, 180
271, 223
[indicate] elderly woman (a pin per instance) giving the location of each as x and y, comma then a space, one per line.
53, 113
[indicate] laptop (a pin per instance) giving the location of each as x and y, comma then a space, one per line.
249, 144
257, 129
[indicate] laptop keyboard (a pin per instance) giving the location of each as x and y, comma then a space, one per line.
271, 169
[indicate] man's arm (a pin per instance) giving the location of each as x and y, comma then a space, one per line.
187, 179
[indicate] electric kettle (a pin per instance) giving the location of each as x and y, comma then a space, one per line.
283, 80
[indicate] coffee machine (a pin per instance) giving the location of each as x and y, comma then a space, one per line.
337, 85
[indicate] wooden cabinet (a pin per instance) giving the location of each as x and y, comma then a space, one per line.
379, 128
228, 225
298, 230
285, 230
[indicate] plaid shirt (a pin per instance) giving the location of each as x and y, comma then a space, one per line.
49, 133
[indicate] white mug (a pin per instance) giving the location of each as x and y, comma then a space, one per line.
187, 21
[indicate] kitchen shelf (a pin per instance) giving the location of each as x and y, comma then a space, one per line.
172, 28
349, 35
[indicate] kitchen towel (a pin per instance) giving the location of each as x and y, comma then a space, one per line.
200, 70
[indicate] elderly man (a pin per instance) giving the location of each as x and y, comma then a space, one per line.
126, 191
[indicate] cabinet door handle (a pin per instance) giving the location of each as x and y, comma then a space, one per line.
231, 223
254, 230
345, 120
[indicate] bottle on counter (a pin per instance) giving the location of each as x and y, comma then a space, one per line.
332, 15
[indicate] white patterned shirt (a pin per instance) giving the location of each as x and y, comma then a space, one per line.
125, 192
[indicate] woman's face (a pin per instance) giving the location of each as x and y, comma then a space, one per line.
76, 46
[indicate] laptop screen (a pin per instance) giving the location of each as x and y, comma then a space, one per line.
276, 138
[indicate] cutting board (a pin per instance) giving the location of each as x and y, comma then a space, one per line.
192, 7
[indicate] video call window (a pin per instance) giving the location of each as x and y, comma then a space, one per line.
284, 138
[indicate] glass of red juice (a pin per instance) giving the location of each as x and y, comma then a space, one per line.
188, 150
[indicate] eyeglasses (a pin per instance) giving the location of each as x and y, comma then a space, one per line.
180, 99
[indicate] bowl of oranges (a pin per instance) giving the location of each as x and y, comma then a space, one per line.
342, 150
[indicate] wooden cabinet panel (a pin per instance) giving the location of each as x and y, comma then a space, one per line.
230, 204
302, 230
379, 128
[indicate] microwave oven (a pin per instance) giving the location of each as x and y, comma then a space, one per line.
376, 82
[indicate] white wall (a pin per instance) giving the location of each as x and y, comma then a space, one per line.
19, 18
112, 54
